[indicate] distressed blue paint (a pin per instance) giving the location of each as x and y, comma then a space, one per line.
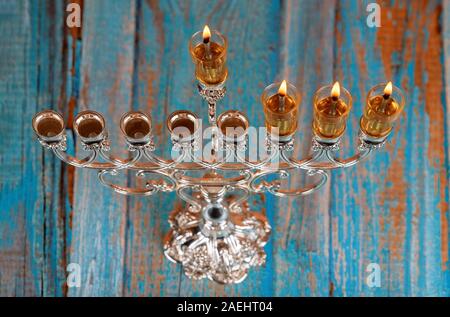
400, 276
30, 251
99, 219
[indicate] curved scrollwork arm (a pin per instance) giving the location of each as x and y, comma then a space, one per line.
313, 162
89, 161
237, 202
273, 153
123, 189
63, 156
263, 186
151, 187
219, 165
309, 189
274, 188
181, 192
118, 162
160, 184
343, 163
185, 180
304, 163
166, 164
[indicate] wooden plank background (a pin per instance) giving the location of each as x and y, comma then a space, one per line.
392, 210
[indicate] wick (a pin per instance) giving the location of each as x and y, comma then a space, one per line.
281, 102
386, 99
334, 101
207, 45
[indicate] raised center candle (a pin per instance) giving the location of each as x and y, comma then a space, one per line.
383, 107
280, 102
332, 105
208, 51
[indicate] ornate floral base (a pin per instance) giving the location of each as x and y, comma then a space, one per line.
217, 243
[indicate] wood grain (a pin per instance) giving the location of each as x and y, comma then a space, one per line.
301, 225
392, 209
388, 209
106, 75
32, 196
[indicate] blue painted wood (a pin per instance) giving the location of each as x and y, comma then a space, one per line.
445, 216
392, 209
301, 225
106, 74
32, 200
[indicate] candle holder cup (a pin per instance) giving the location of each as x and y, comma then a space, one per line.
48, 126
233, 127
90, 127
381, 113
330, 114
209, 59
136, 127
183, 126
281, 123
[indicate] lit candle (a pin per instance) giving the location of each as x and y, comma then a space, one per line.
384, 104
208, 50
332, 105
282, 91
206, 38
280, 103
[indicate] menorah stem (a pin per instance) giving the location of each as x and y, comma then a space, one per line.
212, 94
212, 113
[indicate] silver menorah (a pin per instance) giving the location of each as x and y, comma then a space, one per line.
216, 236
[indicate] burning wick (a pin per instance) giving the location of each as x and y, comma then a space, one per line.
206, 39
282, 91
386, 95
388, 91
335, 93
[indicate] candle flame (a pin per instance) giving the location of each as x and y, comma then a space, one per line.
336, 90
206, 34
282, 91
388, 89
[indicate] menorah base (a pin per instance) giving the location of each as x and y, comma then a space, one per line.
217, 243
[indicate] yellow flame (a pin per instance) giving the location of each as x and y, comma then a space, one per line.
388, 89
283, 89
336, 90
206, 33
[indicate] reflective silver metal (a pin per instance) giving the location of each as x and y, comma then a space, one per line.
49, 127
90, 127
216, 236
183, 126
212, 94
216, 243
232, 126
137, 128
